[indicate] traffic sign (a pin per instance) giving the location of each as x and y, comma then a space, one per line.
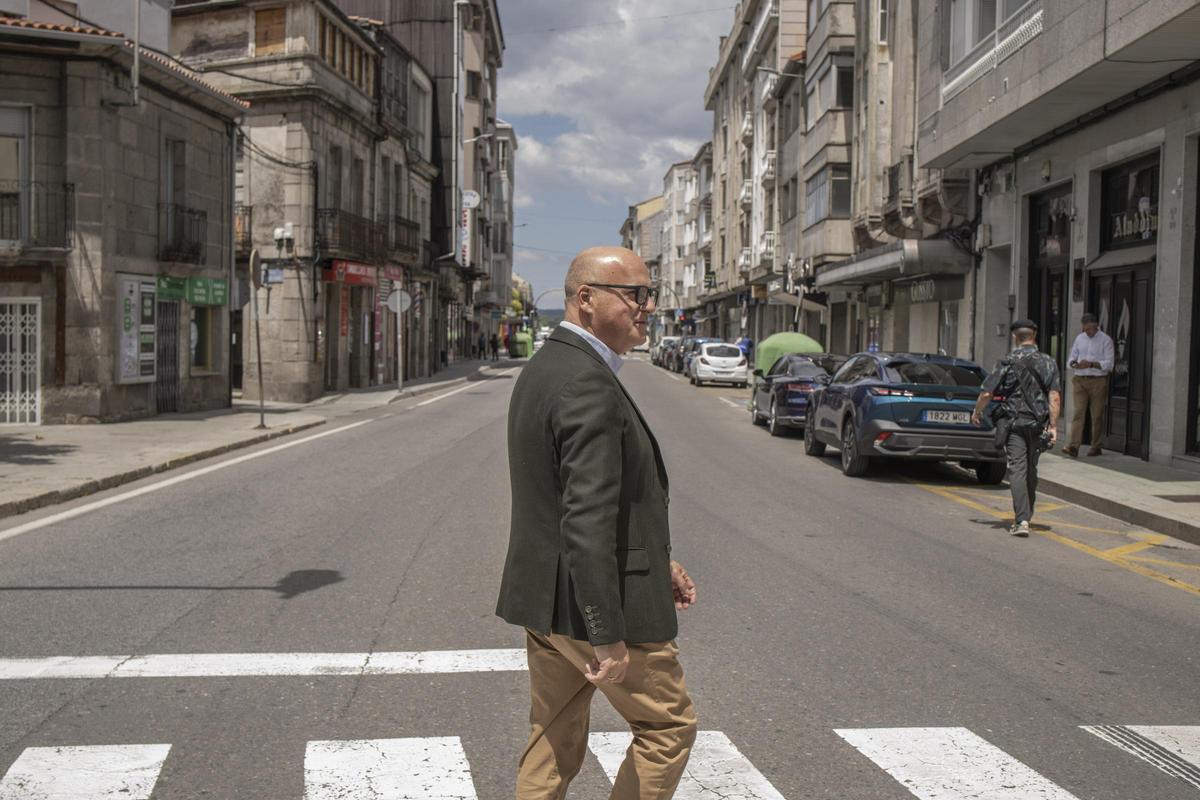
399, 301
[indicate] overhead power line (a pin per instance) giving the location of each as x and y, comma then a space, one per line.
621, 21
543, 250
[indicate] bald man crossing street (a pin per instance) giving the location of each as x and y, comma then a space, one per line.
588, 572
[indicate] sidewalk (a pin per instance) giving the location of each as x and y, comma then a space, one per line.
1160, 498
44, 465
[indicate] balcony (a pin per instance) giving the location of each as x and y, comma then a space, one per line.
768, 168
766, 249
706, 241
745, 260
899, 187
37, 215
341, 234
746, 195
182, 233
1008, 37
748, 127
405, 243
768, 12
243, 233
767, 96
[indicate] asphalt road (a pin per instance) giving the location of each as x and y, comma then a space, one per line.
832, 611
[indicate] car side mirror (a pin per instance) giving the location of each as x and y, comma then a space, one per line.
758, 373
824, 380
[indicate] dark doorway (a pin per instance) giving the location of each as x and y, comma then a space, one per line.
1123, 300
1193, 435
333, 303
1049, 259
236, 367
166, 382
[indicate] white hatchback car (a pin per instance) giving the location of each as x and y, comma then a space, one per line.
718, 362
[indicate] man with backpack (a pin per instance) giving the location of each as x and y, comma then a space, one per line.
1026, 422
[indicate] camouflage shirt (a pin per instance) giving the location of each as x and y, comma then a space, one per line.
1005, 382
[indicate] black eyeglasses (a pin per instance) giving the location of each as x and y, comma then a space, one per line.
642, 295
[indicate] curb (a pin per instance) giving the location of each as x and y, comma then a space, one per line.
426, 388
91, 487
1135, 516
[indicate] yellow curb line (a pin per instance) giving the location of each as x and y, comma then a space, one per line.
1111, 556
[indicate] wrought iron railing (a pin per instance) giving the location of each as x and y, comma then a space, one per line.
37, 214
341, 234
243, 233
406, 238
182, 232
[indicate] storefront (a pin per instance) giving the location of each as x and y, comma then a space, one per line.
348, 333
1123, 298
1049, 263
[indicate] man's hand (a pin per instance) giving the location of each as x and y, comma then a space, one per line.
683, 587
609, 663
1053, 434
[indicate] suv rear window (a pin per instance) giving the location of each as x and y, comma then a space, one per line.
934, 373
805, 369
722, 351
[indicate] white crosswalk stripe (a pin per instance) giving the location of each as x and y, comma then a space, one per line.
398, 769
1174, 749
951, 764
715, 770
128, 772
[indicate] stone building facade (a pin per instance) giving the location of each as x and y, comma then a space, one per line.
334, 184
116, 227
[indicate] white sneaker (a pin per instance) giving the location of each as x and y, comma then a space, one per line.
1020, 529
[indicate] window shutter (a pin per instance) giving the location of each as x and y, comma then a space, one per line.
270, 31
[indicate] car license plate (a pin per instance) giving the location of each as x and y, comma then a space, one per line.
948, 417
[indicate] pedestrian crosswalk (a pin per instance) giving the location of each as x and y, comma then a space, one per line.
945, 763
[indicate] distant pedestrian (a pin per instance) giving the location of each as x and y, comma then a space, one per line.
481, 345
1091, 361
588, 573
1026, 423
495, 345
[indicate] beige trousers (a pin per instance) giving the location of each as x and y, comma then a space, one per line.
1090, 392
653, 700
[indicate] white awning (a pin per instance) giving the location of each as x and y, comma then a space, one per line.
906, 258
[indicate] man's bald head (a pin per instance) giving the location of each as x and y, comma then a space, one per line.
602, 265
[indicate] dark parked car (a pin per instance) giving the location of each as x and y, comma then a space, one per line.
781, 396
903, 405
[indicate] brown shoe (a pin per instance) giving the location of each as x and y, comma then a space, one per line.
1096, 451
1073, 452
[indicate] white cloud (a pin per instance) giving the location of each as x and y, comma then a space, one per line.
634, 94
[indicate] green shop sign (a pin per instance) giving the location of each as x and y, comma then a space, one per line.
207, 291
171, 288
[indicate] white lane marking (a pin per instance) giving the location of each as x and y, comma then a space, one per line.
732, 404
460, 389
78, 511
1174, 749
433, 768
951, 764
715, 769
672, 376
107, 772
214, 665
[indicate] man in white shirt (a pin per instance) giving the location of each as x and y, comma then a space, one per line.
1092, 361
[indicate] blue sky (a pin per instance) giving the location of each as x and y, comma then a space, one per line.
602, 105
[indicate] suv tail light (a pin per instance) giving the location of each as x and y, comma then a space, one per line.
884, 391
742, 363
799, 387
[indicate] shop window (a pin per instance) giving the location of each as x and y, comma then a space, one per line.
1129, 205
270, 31
203, 336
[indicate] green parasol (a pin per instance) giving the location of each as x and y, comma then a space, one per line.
779, 344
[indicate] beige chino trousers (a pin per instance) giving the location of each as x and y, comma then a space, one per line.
653, 700
1090, 394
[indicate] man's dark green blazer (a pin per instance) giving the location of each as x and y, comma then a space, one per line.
589, 548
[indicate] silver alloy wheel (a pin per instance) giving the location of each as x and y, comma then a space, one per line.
847, 444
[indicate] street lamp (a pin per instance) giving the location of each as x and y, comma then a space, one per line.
477, 138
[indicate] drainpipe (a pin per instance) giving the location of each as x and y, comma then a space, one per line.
137, 48
233, 129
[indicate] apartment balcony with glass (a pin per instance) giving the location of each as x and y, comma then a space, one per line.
999, 72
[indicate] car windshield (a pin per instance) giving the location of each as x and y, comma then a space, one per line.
722, 351
934, 373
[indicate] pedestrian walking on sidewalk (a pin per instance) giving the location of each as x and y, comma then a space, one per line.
1026, 423
481, 345
1091, 361
495, 345
588, 572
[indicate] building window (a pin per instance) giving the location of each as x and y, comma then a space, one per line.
969, 22
827, 195
883, 37
845, 87
270, 31
1129, 205
203, 334
334, 178
14, 171
418, 117
474, 85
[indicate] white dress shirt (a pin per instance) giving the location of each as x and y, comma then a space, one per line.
613, 360
1098, 349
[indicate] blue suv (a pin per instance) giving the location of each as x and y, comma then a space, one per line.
903, 405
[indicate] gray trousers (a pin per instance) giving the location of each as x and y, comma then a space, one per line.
1023, 456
